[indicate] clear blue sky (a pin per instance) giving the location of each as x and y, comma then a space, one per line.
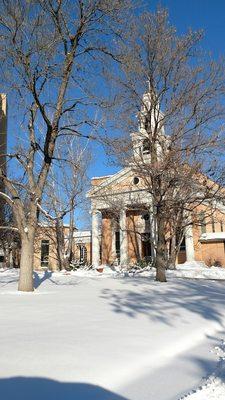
208, 15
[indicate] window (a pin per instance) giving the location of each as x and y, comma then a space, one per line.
83, 254
202, 222
183, 245
146, 146
145, 237
117, 245
146, 246
136, 180
44, 253
178, 240
146, 217
146, 124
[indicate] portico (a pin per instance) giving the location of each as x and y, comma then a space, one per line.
127, 236
121, 235
113, 245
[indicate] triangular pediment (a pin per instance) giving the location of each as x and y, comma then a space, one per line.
121, 182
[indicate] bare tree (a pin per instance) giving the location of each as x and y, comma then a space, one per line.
179, 120
64, 194
52, 55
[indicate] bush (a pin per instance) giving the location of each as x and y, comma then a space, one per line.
218, 263
213, 262
144, 263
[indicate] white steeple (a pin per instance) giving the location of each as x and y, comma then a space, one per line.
149, 114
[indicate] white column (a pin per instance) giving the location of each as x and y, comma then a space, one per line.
113, 230
189, 243
95, 239
153, 232
123, 238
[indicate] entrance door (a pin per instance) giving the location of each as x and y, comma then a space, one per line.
146, 246
117, 239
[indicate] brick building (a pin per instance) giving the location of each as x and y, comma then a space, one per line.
45, 255
121, 208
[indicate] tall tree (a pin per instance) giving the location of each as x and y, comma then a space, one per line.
52, 55
179, 119
65, 195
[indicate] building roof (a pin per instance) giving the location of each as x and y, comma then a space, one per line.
212, 236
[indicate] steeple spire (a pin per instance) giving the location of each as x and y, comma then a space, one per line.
149, 114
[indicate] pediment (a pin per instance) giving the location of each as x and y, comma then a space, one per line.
121, 182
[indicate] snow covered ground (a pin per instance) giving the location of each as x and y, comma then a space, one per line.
213, 387
110, 337
192, 270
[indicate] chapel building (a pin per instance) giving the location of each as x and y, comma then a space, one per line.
122, 218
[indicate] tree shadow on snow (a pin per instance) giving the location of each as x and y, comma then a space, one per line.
165, 301
24, 388
8, 282
66, 283
218, 349
39, 280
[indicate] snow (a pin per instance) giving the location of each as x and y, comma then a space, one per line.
87, 335
213, 388
194, 270
189, 270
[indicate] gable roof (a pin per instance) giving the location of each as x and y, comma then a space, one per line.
109, 182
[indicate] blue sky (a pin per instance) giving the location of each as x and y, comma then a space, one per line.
208, 15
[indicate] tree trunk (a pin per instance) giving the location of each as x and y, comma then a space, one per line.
60, 245
26, 263
173, 253
160, 260
69, 252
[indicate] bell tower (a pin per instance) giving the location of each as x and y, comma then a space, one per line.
140, 139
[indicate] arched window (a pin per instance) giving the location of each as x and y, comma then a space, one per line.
146, 146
